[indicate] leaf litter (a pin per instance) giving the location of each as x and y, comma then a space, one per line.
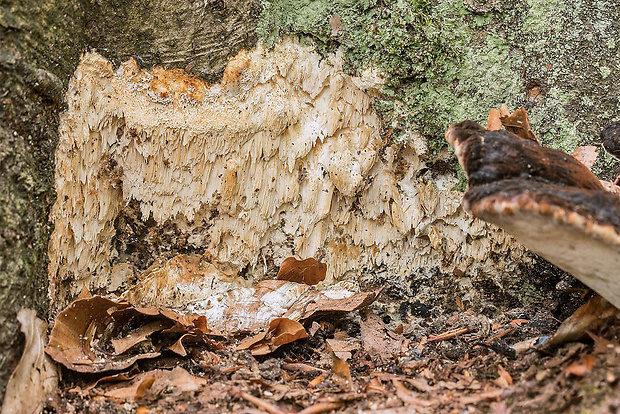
295, 344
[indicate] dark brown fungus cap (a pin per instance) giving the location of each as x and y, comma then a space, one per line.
546, 199
610, 137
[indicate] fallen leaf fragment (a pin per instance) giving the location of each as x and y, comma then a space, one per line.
518, 123
141, 334
504, 380
589, 317
494, 123
378, 340
35, 377
316, 381
526, 345
323, 303
341, 370
341, 348
586, 155
375, 386
408, 397
294, 366
582, 366
145, 385
308, 271
281, 331
91, 335
156, 382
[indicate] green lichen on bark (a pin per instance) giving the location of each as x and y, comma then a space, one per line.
450, 60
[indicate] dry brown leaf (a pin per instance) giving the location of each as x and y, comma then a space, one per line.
526, 345
375, 386
378, 340
155, 382
504, 111
341, 348
589, 317
518, 123
141, 334
494, 122
316, 381
582, 366
342, 372
420, 384
89, 335
309, 306
586, 155
281, 331
407, 396
308, 271
120, 377
145, 385
35, 378
504, 380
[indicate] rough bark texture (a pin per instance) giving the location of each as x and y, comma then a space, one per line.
38, 50
40, 44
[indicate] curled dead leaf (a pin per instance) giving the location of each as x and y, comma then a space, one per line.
96, 334
517, 122
35, 379
308, 271
589, 317
281, 331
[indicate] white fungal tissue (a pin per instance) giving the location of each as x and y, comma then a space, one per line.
286, 150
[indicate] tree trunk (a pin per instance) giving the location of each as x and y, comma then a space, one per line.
441, 62
40, 44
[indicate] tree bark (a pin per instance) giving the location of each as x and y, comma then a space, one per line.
40, 44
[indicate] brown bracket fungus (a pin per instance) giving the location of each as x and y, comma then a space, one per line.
610, 139
546, 199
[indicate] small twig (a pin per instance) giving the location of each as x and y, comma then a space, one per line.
321, 408
447, 335
231, 369
294, 366
499, 335
263, 405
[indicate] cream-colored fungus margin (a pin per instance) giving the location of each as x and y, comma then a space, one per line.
286, 149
